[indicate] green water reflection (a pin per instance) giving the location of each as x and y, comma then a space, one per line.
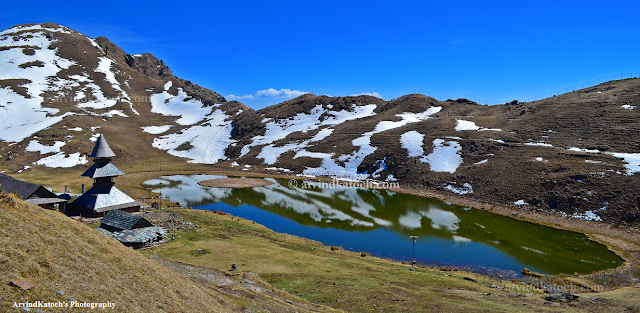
356, 217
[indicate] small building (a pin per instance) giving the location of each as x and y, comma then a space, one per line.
32, 193
131, 229
103, 196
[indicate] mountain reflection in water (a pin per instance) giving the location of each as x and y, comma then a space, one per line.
380, 222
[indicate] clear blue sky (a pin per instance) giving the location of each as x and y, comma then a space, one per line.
495, 51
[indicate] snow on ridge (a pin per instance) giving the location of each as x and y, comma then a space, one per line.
35, 146
628, 107
21, 117
60, 160
412, 141
97, 98
352, 161
155, 130
302, 122
190, 112
407, 118
105, 67
168, 85
37, 27
208, 140
271, 153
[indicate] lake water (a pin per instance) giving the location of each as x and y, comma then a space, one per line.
380, 222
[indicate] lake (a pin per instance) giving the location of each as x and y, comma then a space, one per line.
380, 222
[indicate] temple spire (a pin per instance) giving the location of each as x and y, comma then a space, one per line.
102, 149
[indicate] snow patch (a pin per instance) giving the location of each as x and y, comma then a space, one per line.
468, 125
541, 144
61, 160
35, 146
352, 161
587, 216
286, 170
154, 130
20, 117
116, 112
270, 153
190, 112
208, 141
280, 129
583, 150
465, 189
520, 202
632, 161
445, 157
391, 178
412, 141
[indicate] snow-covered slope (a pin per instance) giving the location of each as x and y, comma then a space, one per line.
59, 88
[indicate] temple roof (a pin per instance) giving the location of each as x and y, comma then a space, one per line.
102, 149
105, 198
101, 169
124, 221
138, 235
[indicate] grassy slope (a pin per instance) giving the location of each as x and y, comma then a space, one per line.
48, 248
58, 253
348, 281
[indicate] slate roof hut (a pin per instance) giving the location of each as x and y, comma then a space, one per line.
103, 196
32, 193
131, 229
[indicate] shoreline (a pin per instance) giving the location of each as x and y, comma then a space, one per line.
621, 240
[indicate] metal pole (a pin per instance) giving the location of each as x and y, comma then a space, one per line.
413, 249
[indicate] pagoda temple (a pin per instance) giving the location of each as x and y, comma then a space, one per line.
103, 196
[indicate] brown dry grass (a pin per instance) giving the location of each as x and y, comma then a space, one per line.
58, 253
346, 280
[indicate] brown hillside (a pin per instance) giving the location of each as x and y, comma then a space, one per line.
69, 261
